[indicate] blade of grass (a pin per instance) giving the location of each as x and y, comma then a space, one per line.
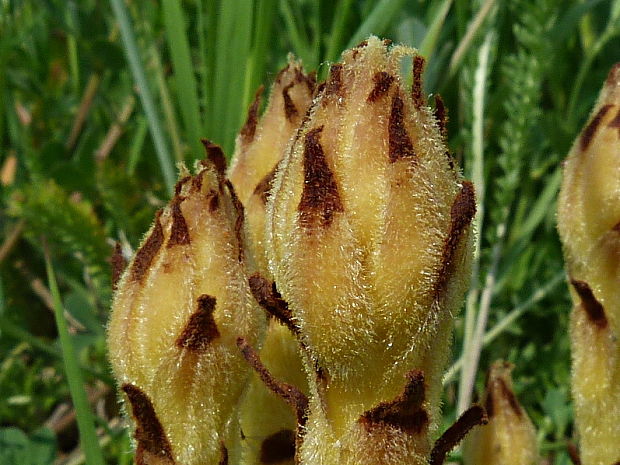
184, 78
84, 415
377, 21
137, 70
255, 69
429, 43
466, 41
136, 145
477, 177
506, 321
335, 44
170, 116
233, 41
301, 47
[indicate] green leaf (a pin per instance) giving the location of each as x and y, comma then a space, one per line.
16, 448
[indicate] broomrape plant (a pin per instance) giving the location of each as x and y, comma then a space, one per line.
347, 220
298, 306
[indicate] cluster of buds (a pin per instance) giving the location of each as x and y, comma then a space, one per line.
346, 220
589, 226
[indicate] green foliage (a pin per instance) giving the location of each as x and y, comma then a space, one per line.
86, 159
17, 448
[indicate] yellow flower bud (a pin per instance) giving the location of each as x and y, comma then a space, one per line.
368, 234
268, 424
178, 310
261, 144
589, 226
509, 437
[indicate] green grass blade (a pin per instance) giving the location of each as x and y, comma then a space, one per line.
185, 80
506, 321
234, 32
137, 70
84, 416
429, 44
301, 47
335, 44
377, 21
255, 69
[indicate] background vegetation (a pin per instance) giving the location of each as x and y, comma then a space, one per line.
100, 99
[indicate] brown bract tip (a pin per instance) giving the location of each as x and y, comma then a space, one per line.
320, 198
268, 297
400, 145
290, 110
118, 264
462, 213
613, 78
146, 254
588, 133
223, 455
473, 416
263, 188
240, 215
416, 86
382, 81
249, 128
334, 82
215, 155
573, 453
179, 232
593, 308
289, 393
278, 447
201, 328
178, 187
149, 433
441, 115
405, 412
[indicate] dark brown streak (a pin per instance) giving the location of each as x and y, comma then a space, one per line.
290, 110
573, 453
320, 198
263, 188
290, 394
473, 416
223, 455
382, 81
461, 215
179, 232
590, 130
593, 308
149, 433
146, 254
509, 396
239, 220
400, 145
278, 447
215, 156
180, 183
441, 115
268, 297
118, 264
201, 328
416, 86
249, 128
405, 412
334, 83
